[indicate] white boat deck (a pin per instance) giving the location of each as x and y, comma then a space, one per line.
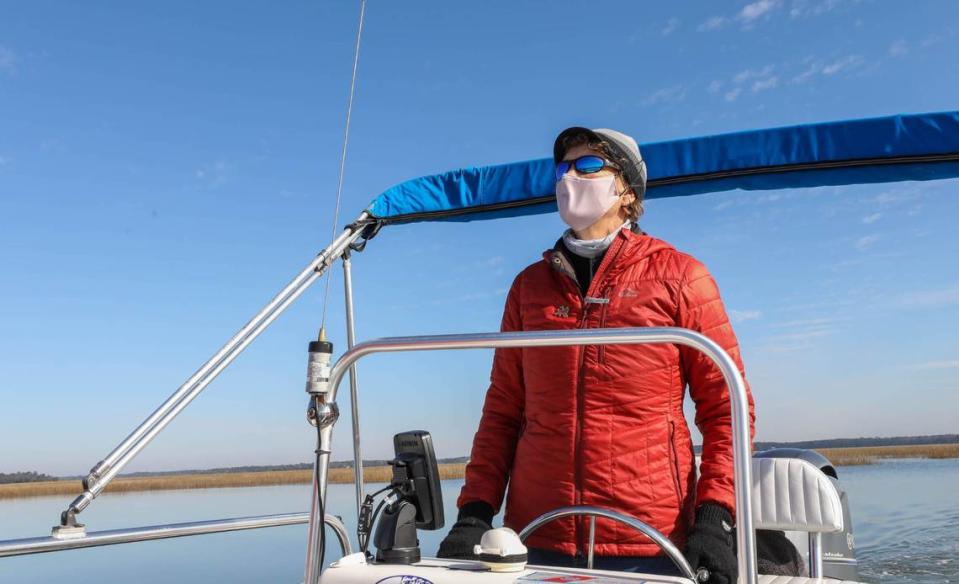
354, 570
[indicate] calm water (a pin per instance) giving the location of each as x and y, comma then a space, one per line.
905, 514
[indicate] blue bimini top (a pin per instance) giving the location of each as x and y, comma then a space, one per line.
888, 149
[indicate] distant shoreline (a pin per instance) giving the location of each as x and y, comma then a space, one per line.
217, 480
381, 474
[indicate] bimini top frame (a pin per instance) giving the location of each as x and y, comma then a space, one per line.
894, 148
887, 149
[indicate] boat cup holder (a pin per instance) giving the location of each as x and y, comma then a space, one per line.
414, 500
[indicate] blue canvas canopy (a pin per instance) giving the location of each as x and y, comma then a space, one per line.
893, 148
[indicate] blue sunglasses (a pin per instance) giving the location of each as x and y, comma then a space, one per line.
584, 165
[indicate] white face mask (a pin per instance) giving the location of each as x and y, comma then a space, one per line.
582, 201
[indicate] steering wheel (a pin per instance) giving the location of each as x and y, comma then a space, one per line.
593, 512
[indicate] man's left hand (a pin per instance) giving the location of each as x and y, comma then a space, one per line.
711, 544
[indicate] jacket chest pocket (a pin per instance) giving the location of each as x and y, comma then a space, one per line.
634, 306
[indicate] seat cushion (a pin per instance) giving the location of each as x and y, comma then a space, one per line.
790, 494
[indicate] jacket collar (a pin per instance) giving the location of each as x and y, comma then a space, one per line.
623, 246
559, 250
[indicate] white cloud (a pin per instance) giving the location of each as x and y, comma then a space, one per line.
8, 61
492, 262
798, 8
712, 23
808, 74
803, 8
732, 94
804, 336
866, 241
828, 69
798, 335
751, 12
825, 6
954, 364
798, 341
764, 84
666, 95
842, 64
748, 74
671, 25
931, 298
898, 48
931, 40
762, 80
214, 175
895, 198
747, 16
872, 218
808, 322
738, 316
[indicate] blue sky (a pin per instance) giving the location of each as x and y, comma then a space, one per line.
166, 168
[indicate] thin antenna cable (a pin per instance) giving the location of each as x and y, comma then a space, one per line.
346, 139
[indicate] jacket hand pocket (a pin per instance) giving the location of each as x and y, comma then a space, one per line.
674, 462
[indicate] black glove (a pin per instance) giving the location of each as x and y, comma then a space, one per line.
711, 544
473, 521
775, 554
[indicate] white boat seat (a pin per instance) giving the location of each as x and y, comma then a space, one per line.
790, 494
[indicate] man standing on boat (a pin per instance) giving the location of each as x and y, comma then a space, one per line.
604, 425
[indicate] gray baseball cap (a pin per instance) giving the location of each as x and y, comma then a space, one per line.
623, 150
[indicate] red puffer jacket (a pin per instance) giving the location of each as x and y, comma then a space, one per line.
604, 425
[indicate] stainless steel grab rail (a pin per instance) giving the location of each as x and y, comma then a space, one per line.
593, 512
105, 470
38, 545
652, 335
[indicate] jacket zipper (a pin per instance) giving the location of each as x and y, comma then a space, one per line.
577, 452
577, 459
580, 398
604, 309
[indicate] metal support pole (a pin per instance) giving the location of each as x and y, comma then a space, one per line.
320, 467
746, 535
354, 389
39, 545
815, 555
592, 541
109, 467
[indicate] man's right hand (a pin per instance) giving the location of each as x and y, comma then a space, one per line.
475, 518
466, 533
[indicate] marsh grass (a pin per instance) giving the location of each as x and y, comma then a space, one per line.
869, 455
378, 474
381, 474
